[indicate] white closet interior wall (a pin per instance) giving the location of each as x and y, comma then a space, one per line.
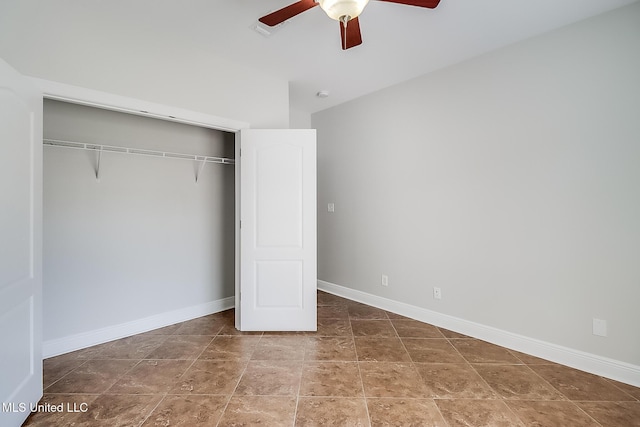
143, 240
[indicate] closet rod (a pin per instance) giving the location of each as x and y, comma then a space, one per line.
139, 151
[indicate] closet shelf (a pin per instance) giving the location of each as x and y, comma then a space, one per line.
100, 148
138, 151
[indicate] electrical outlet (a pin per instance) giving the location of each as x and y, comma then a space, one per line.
600, 327
437, 293
385, 280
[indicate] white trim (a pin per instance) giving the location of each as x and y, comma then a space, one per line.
94, 98
99, 336
598, 365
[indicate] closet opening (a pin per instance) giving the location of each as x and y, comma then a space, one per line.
139, 224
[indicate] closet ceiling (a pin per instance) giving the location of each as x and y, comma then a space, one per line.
399, 42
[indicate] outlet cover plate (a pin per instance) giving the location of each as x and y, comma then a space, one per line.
600, 327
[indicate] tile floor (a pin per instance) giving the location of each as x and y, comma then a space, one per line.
364, 367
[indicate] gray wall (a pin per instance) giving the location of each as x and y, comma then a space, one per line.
511, 181
143, 240
299, 119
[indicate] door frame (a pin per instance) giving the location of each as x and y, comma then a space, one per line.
108, 101
21, 290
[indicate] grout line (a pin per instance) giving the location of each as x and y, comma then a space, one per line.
226, 405
585, 412
154, 408
364, 393
72, 370
613, 383
295, 411
224, 410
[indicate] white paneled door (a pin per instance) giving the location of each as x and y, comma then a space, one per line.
20, 246
276, 202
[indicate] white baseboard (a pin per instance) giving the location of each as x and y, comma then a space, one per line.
598, 365
70, 343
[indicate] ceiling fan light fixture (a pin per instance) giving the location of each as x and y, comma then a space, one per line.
343, 10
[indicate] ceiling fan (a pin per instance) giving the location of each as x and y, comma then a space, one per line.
345, 11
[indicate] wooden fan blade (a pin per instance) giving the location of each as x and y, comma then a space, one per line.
281, 15
431, 4
351, 37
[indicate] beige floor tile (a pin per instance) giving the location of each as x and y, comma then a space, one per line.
57, 367
453, 381
287, 347
551, 413
225, 347
335, 379
393, 316
72, 407
394, 412
167, 330
578, 385
150, 376
330, 348
477, 351
373, 328
530, 360
620, 414
517, 382
207, 325
333, 312
259, 411
210, 377
413, 329
432, 350
135, 347
118, 410
331, 411
270, 378
381, 350
631, 390
389, 379
230, 329
365, 312
334, 327
325, 298
94, 376
187, 411
451, 334
180, 347
477, 413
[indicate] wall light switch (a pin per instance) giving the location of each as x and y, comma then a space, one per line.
331, 207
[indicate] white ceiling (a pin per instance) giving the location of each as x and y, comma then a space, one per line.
399, 42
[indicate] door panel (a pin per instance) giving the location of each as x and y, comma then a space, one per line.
277, 258
20, 246
278, 196
279, 284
